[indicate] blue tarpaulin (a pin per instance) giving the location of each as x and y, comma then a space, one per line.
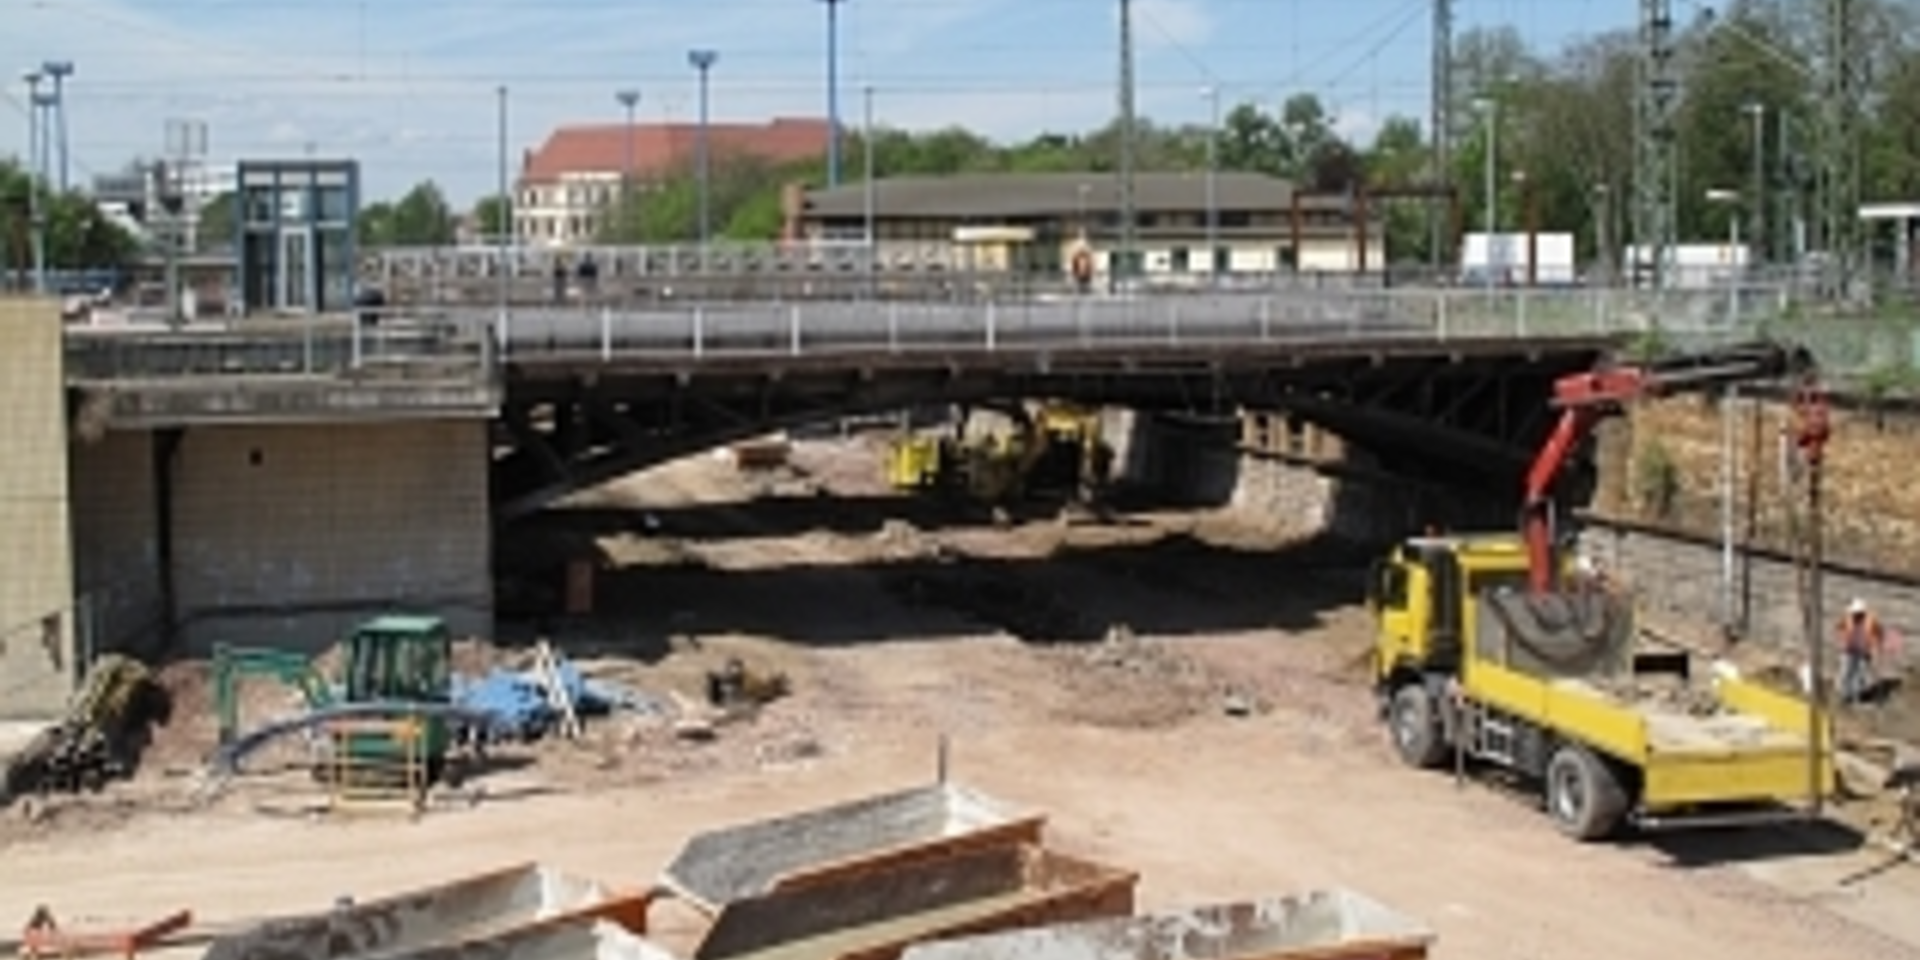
516, 703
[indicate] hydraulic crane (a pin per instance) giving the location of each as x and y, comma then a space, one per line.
1585, 399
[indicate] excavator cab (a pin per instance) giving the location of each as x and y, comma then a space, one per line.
400, 658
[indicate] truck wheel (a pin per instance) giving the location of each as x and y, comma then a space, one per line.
1414, 719
1584, 797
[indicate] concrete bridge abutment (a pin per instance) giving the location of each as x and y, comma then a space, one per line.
282, 534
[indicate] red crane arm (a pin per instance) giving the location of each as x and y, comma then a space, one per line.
1584, 400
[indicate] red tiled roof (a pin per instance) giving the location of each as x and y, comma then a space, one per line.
660, 147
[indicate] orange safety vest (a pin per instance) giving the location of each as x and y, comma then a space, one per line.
1864, 636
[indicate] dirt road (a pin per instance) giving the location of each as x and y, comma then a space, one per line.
1210, 732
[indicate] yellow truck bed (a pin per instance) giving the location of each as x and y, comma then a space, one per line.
1750, 746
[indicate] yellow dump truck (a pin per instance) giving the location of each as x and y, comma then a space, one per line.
1472, 667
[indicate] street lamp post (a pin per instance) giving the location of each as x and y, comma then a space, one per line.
58, 71
703, 61
504, 228
1728, 609
833, 91
36, 221
1212, 94
1602, 230
1756, 209
630, 99
1489, 110
867, 200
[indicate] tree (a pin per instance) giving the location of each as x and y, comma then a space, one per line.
423, 217
490, 214
78, 235
374, 227
215, 229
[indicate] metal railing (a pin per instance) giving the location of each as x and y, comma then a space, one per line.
281, 347
467, 343
1064, 325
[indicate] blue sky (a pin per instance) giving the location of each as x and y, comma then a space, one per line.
407, 86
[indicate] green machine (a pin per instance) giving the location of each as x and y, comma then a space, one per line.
402, 662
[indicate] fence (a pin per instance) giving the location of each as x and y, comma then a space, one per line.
291, 347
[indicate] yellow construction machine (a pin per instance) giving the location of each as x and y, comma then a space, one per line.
1492, 649
1052, 448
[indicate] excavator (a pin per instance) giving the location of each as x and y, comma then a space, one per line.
1054, 448
1492, 649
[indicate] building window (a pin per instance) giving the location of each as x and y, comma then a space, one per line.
1147, 221
1177, 260
1222, 260
1284, 257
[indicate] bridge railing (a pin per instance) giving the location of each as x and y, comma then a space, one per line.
1093, 323
279, 347
468, 344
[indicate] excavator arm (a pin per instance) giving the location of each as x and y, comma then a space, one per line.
1585, 399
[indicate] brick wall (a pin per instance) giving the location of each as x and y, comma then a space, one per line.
116, 541
286, 535
37, 656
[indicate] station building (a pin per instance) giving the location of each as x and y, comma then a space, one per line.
1037, 223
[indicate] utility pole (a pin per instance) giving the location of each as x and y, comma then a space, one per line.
1213, 187
58, 71
1655, 162
1840, 143
1757, 205
186, 148
504, 229
1440, 120
833, 91
867, 198
36, 215
1124, 266
703, 60
628, 98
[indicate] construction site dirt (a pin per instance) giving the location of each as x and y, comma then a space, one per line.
1179, 695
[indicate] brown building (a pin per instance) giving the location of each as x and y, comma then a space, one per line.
1038, 222
568, 183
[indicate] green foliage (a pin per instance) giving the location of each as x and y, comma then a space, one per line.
1890, 380
216, 228
79, 237
1656, 479
490, 214
419, 218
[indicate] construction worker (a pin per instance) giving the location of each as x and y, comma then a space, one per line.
1862, 640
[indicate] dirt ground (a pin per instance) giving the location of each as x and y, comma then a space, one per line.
1181, 698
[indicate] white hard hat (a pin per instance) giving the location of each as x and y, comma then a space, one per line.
1857, 606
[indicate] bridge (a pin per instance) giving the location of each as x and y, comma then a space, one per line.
1438, 383
271, 480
